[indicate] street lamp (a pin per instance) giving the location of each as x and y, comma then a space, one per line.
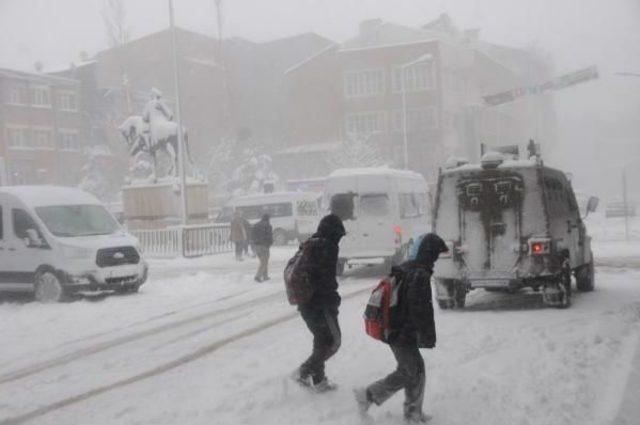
403, 78
181, 149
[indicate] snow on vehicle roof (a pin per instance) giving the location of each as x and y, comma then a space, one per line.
374, 171
38, 196
507, 164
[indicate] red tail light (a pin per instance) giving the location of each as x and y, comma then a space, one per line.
539, 246
398, 231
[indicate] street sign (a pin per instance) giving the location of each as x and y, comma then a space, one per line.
564, 81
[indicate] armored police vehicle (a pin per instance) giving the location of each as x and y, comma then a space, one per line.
510, 224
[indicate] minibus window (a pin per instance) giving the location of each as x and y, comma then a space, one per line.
77, 220
307, 208
342, 205
22, 222
374, 204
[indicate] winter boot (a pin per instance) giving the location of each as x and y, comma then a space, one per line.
324, 386
418, 418
363, 398
300, 380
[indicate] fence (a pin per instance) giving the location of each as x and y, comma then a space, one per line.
186, 241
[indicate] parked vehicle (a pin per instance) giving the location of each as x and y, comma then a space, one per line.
510, 224
294, 215
56, 241
618, 209
387, 210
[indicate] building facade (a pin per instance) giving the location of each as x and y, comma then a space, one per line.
417, 92
42, 138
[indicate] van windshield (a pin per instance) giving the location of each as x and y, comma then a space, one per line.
77, 220
374, 204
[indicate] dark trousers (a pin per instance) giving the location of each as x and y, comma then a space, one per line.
409, 375
263, 257
239, 248
323, 324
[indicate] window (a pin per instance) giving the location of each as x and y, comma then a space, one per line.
17, 137
41, 96
42, 139
306, 208
17, 94
255, 212
364, 83
418, 77
412, 205
342, 205
374, 204
78, 220
67, 101
365, 122
419, 119
68, 140
22, 222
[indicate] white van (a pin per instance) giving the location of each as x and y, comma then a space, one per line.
387, 210
294, 215
56, 241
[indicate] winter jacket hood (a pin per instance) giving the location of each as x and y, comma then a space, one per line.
331, 228
430, 248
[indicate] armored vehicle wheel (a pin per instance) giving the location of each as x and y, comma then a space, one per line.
585, 279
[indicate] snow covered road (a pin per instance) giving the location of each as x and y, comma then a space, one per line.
204, 344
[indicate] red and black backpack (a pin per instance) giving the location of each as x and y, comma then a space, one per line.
381, 308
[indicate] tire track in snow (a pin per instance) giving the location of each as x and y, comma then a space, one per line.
97, 348
166, 367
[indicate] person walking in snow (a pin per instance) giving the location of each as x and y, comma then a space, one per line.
413, 328
320, 313
238, 234
247, 229
262, 239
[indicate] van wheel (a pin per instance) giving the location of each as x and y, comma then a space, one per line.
340, 267
48, 288
279, 237
585, 279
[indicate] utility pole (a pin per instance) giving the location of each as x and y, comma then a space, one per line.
181, 149
625, 198
226, 96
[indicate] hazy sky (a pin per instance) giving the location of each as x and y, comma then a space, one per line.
598, 122
576, 32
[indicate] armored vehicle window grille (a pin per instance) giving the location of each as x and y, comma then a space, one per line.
110, 257
489, 193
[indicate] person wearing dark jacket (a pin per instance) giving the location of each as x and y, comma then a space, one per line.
412, 328
321, 312
262, 239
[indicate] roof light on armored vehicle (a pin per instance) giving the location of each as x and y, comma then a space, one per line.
492, 160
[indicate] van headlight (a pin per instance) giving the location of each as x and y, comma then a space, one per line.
76, 252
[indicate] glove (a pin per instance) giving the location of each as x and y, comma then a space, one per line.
426, 340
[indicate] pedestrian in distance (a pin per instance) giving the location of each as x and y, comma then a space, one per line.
262, 239
412, 328
247, 229
320, 313
238, 234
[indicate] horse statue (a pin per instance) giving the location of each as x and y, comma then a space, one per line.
155, 131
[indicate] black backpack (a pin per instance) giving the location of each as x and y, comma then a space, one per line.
296, 275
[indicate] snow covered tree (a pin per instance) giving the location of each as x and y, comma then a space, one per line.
99, 178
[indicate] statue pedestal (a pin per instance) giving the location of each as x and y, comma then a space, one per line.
157, 205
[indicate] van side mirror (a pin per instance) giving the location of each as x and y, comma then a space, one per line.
33, 239
592, 205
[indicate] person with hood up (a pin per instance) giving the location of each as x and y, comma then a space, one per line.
320, 313
412, 328
238, 234
262, 239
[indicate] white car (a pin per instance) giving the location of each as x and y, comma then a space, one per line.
387, 211
56, 241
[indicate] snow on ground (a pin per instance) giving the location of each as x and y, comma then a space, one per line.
205, 344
